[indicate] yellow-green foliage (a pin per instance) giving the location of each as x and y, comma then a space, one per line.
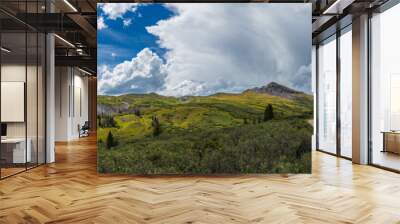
185, 120
210, 112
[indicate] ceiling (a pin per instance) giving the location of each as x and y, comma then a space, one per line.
75, 22
331, 15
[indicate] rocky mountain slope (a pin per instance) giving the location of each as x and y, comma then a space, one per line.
276, 89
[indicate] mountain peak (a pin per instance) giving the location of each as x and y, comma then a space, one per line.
275, 89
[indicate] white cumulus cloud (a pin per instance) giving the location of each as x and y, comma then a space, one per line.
200, 88
100, 23
117, 10
185, 88
242, 46
127, 22
302, 79
145, 73
246, 44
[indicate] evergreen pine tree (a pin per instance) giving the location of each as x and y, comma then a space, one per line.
268, 113
110, 142
156, 126
137, 113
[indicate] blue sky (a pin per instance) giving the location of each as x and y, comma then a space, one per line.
118, 43
201, 49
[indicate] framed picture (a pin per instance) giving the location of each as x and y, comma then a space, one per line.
204, 88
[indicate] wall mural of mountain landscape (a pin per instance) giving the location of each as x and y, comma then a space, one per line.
181, 96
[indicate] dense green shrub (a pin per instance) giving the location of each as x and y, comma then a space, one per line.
276, 146
106, 121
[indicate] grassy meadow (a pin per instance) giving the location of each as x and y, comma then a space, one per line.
221, 133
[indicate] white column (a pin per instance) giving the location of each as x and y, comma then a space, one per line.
360, 90
50, 92
50, 103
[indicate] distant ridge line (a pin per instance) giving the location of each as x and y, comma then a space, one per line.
275, 89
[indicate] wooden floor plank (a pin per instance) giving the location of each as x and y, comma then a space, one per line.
71, 191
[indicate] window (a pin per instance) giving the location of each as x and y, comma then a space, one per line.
327, 95
22, 77
346, 93
385, 89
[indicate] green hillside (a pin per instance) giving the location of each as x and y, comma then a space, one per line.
221, 133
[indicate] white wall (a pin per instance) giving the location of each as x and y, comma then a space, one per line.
33, 126
80, 105
62, 81
71, 102
12, 73
17, 73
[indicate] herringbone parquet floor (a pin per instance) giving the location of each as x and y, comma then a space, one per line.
70, 191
